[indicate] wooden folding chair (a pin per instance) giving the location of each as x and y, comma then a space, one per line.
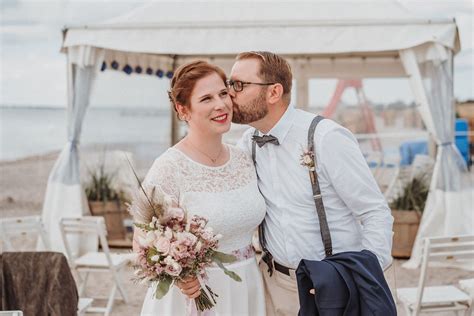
22, 227
94, 261
431, 299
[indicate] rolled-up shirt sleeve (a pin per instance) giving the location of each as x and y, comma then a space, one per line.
341, 159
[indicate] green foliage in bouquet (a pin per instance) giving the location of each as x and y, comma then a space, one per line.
413, 197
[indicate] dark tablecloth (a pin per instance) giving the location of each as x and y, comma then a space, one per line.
38, 283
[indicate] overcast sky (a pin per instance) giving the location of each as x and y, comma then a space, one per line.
33, 71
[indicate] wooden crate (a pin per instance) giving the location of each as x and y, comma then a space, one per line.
113, 215
405, 227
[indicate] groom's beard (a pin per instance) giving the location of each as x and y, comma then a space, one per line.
256, 110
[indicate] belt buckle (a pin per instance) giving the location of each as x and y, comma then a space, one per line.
292, 273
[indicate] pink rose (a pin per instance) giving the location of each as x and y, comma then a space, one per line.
172, 267
178, 250
162, 244
186, 238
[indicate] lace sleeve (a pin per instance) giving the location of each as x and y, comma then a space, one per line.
163, 174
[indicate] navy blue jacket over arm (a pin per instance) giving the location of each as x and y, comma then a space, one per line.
348, 283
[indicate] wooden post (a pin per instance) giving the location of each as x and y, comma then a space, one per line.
174, 118
301, 76
302, 92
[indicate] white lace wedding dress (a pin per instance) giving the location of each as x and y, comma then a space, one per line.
229, 198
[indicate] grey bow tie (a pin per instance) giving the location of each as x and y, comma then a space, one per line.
262, 140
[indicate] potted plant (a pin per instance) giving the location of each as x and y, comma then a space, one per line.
107, 201
407, 209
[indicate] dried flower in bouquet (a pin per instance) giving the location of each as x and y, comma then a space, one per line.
173, 247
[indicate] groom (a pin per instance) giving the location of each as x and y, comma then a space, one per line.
357, 213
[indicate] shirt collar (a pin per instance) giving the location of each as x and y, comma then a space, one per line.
281, 128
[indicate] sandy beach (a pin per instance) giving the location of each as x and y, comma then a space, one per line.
22, 188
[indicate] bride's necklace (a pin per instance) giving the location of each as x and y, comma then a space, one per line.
214, 160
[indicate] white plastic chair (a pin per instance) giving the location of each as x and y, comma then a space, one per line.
94, 261
11, 313
22, 226
467, 285
439, 298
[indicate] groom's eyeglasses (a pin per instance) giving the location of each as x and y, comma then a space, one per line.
238, 85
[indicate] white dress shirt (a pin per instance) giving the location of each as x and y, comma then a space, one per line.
357, 212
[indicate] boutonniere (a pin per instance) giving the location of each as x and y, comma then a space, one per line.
307, 159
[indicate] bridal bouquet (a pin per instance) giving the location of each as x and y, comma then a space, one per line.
174, 247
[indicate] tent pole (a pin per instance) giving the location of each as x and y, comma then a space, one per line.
174, 118
70, 86
302, 92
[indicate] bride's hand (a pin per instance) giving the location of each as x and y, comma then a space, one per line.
190, 287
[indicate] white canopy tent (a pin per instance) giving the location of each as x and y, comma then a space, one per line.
336, 39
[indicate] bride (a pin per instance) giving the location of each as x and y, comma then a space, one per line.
214, 180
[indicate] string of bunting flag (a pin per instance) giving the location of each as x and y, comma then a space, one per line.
114, 65
137, 63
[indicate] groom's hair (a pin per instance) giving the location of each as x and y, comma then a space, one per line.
185, 78
273, 68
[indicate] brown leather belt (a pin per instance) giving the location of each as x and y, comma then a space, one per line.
281, 268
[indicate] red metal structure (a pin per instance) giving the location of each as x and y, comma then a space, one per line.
365, 107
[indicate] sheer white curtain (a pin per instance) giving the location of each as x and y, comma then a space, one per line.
64, 194
448, 210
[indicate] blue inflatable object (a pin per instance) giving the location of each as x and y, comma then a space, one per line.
408, 151
462, 141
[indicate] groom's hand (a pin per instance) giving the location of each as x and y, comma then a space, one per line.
190, 287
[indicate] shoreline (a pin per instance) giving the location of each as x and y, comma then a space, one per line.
23, 181
47, 155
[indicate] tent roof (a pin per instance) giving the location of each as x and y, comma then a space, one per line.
290, 28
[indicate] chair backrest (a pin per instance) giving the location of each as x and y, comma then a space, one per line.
84, 225
452, 249
22, 226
